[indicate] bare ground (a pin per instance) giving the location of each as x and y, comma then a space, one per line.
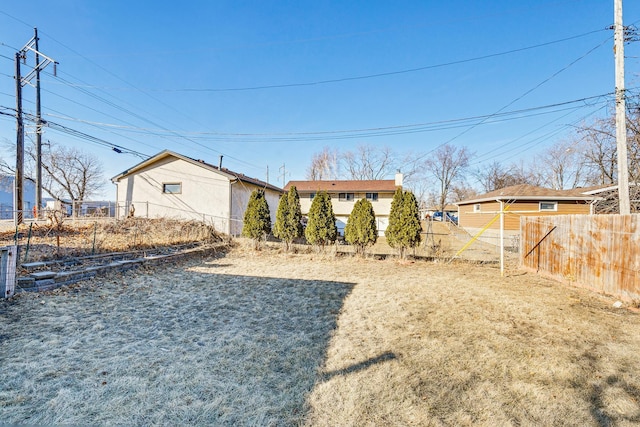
274, 339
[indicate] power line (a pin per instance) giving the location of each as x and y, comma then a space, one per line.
381, 130
516, 99
361, 77
536, 141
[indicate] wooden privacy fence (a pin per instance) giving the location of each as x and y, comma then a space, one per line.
598, 252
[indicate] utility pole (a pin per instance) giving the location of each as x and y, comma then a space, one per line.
284, 174
38, 131
18, 190
32, 45
621, 118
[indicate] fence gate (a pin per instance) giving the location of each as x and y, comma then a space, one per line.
8, 262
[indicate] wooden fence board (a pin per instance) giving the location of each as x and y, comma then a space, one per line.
599, 252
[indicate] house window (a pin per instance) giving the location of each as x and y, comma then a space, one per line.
372, 197
476, 207
345, 197
172, 188
548, 206
311, 196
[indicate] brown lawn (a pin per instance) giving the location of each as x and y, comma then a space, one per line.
281, 339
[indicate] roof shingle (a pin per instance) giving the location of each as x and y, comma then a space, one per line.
529, 192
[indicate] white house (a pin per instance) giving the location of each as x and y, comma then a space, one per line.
7, 197
344, 195
175, 186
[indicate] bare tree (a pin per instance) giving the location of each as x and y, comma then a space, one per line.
368, 162
495, 175
67, 172
324, 165
462, 192
72, 173
600, 148
600, 152
563, 165
447, 165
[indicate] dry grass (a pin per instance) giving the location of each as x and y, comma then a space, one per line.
45, 242
265, 338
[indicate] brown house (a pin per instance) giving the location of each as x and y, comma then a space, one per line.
345, 193
483, 211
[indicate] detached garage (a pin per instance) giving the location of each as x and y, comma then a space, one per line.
176, 186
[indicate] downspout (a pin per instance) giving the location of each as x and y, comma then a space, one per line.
231, 182
117, 211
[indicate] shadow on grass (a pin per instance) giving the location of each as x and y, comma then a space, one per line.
384, 357
599, 409
600, 393
179, 347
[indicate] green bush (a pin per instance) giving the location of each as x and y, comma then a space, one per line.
321, 223
257, 218
288, 224
361, 230
404, 227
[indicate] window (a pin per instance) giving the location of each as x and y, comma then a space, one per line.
172, 188
372, 197
311, 196
548, 206
345, 197
476, 207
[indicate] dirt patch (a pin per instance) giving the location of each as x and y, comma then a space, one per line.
266, 338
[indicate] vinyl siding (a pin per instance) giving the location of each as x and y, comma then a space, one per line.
488, 210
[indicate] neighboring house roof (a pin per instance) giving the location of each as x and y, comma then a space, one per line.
201, 163
529, 192
598, 189
342, 186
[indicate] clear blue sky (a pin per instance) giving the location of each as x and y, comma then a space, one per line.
267, 83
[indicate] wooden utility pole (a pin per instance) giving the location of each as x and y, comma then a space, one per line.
18, 193
32, 46
621, 118
38, 131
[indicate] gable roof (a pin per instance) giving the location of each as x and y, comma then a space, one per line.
529, 192
231, 175
368, 186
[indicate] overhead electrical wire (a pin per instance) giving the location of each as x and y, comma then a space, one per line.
516, 99
375, 131
376, 75
386, 131
341, 79
170, 133
140, 90
532, 143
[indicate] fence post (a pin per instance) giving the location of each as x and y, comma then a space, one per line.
8, 262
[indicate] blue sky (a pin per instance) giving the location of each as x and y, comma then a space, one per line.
269, 83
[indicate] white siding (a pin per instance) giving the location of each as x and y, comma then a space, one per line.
241, 192
205, 194
342, 208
